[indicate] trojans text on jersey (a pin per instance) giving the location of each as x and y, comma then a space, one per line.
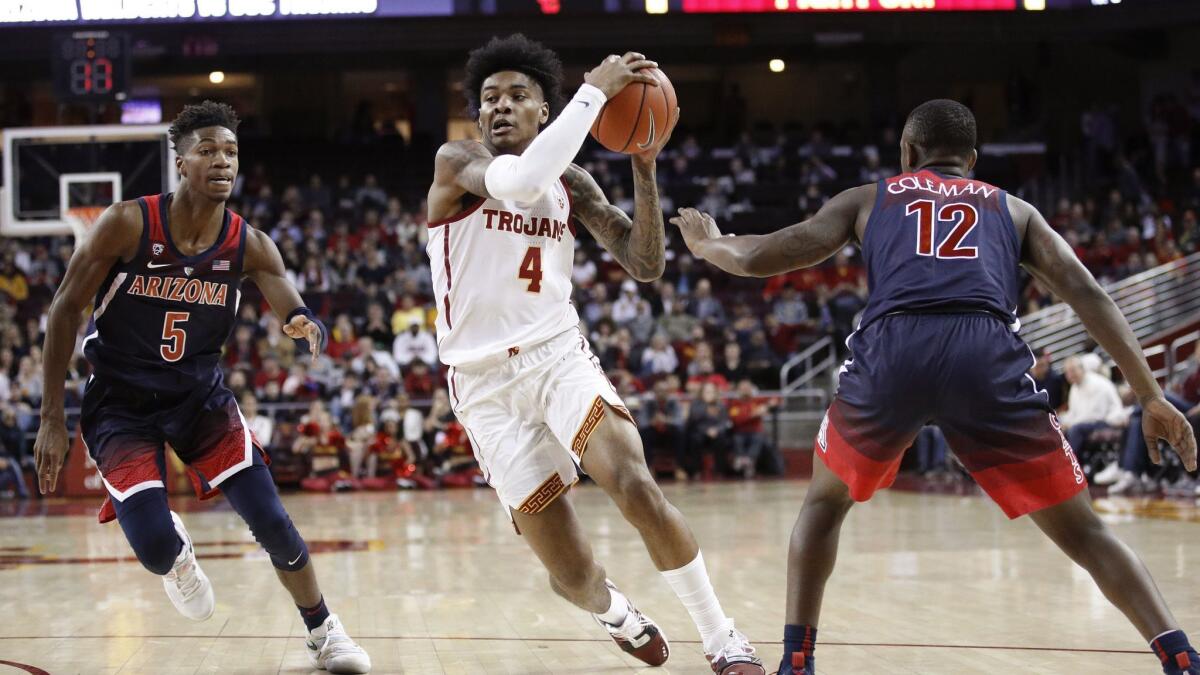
519, 223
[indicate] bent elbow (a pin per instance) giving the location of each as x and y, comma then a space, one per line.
651, 272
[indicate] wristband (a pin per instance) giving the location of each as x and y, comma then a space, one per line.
308, 314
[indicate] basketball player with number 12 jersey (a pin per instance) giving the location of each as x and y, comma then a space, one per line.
937, 343
523, 380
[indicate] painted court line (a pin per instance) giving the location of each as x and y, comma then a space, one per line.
909, 645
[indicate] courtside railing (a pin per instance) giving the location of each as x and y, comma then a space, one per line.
1154, 301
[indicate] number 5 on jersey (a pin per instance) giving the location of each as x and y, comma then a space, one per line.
531, 269
175, 336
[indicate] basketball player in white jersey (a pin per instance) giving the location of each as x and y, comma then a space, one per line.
523, 380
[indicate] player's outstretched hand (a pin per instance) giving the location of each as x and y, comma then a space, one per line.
48, 451
301, 328
1160, 419
695, 227
615, 72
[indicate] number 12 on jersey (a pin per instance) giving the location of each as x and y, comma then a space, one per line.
963, 217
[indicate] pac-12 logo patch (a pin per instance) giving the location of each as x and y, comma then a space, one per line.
157, 249
822, 434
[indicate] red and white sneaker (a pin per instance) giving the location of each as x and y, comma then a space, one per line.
736, 657
639, 636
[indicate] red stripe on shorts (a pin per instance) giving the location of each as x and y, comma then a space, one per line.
862, 474
1034, 484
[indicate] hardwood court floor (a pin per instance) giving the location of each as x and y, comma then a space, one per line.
438, 582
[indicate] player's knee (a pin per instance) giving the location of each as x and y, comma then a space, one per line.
640, 499
274, 531
157, 549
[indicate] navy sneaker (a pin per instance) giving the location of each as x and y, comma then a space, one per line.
1186, 662
802, 664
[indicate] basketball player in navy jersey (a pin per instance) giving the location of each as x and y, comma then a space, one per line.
937, 342
163, 275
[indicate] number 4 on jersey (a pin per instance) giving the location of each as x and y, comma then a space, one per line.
963, 216
531, 269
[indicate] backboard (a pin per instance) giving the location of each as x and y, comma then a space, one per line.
53, 174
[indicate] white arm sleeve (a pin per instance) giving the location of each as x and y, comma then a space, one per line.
525, 177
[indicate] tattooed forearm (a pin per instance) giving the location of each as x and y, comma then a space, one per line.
638, 244
647, 246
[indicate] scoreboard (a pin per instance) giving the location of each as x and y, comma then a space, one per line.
89, 12
90, 66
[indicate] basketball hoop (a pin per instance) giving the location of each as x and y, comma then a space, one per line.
82, 218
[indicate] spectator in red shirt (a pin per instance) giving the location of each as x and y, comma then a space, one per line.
746, 413
342, 339
844, 275
704, 374
270, 372
323, 444
419, 381
242, 351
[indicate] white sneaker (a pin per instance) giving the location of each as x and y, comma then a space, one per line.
1110, 474
331, 649
736, 657
187, 586
1124, 484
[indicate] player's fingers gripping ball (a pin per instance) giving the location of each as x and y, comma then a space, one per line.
639, 118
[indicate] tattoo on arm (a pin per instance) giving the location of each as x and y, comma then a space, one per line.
637, 244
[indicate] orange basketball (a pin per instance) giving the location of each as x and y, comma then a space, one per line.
635, 119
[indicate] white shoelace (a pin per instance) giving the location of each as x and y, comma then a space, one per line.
738, 645
630, 630
186, 579
337, 643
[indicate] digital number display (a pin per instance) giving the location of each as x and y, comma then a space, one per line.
91, 66
846, 5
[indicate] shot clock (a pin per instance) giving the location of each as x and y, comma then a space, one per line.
90, 66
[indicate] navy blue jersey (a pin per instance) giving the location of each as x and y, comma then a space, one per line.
939, 243
162, 318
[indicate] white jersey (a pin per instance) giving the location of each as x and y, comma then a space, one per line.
502, 277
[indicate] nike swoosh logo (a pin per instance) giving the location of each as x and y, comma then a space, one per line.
650, 138
586, 104
154, 266
293, 562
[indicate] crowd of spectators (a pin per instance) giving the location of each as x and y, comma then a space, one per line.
694, 354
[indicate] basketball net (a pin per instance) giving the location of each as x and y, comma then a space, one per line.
81, 219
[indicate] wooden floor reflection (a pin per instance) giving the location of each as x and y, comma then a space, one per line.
439, 583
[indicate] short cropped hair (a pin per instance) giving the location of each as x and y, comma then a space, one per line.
200, 116
942, 125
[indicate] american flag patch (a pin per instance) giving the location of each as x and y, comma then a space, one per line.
220, 265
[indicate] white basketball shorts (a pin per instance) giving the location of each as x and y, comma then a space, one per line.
529, 417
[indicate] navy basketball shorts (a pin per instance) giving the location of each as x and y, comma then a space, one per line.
967, 373
125, 429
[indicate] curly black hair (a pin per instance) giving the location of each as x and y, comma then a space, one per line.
518, 53
942, 125
199, 116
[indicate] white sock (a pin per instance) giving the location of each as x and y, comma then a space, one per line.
618, 608
691, 584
